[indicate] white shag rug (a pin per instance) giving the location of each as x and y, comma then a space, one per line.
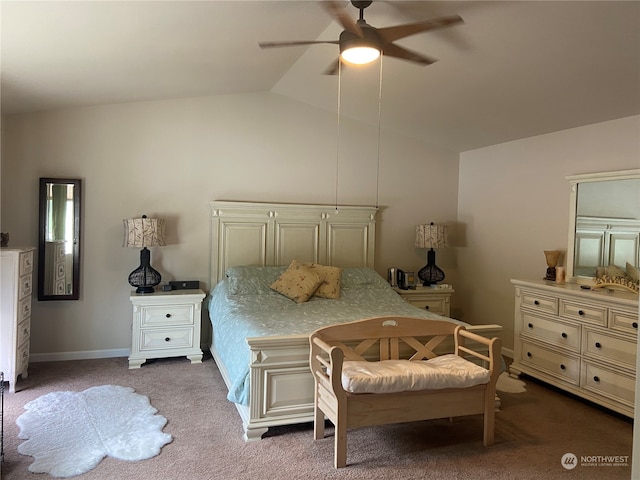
508, 384
69, 433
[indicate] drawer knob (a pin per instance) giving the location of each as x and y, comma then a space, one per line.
562, 367
167, 339
536, 303
634, 324
596, 379
168, 315
564, 335
598, 345
528, 354
530, 325
580, 312
426, 307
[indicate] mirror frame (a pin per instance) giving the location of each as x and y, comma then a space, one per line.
75, 289
574, 180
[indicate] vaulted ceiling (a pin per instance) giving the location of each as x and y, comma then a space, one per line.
513, 69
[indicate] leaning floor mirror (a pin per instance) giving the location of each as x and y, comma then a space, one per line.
59, 239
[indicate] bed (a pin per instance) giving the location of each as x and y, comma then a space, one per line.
260, 339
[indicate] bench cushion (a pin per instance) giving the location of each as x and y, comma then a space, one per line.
389, 376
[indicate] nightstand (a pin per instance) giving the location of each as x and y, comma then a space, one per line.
435, 299
166, 324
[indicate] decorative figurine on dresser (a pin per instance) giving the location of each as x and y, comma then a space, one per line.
16, 286
580, 334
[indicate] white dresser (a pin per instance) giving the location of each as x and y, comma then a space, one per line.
166, 324
582, 341
16, 285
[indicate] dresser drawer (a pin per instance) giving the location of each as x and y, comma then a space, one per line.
60, 271
24, 309
433, 304
26, 263
167, 315
24, 331
605, 346
22, 358
60, 287
540, 303
24, 286
584, 312
561, 366
608, 383
551, 331
623, 321
166, 339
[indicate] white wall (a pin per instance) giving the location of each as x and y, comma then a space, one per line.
169, 159
513, 204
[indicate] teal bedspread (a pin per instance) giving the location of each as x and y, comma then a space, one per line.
244, 306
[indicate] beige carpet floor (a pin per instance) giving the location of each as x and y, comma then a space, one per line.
534, 429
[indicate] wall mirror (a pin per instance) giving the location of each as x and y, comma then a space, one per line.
59, 239
604, 226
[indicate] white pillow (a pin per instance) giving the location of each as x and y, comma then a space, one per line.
389, 376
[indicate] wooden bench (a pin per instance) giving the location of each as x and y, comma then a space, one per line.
393, 338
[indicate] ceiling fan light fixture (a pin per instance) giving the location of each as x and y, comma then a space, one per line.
360, 55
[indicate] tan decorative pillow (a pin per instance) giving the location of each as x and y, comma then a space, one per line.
298, 282
330, 277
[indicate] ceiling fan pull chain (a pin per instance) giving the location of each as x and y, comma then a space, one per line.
379, 116
338, 129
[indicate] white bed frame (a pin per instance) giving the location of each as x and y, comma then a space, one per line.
281, 384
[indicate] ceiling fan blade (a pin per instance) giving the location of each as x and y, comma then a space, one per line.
389, 34
333, 68
338, 13
393, 50
293, 44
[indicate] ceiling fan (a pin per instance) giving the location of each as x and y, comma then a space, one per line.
361, 43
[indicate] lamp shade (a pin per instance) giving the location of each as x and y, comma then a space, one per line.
431, 236
143, 232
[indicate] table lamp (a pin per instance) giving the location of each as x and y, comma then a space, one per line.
144, 232
431, 236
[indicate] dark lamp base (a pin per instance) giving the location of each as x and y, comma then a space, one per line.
144, 277
430, 274
145, 290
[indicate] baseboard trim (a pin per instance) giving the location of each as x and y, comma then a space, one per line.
81, 355
121, 352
